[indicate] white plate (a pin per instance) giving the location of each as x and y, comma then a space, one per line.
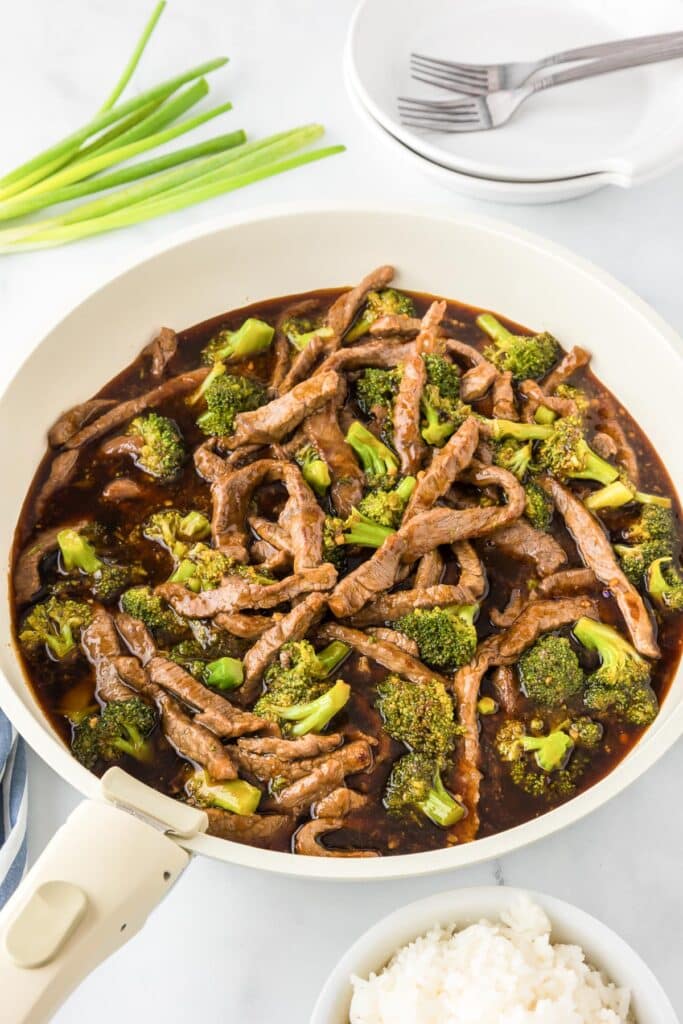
522, 193
604, 948
629, 123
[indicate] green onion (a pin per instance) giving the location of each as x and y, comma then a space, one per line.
119, 132
130, 67
164, 204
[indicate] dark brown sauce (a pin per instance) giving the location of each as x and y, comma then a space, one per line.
60, 688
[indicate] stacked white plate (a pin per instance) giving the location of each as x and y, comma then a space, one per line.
618, 129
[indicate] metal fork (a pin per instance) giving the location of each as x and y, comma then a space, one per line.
480, 79
484, 112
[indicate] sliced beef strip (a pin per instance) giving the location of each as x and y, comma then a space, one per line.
161, 351
271, 532
240, 624
521, 541
424, 532
292, 626
566, 368
310, 745
63, 469
477, 381
211, 710
383, 355
395, 324
597, 553
209, 464
389, 607
232, 494
124, 411
100, 641
123, 488
265, 557
429, 570
69, 423
566, 583
611, 416
504, 405
327, 775
306, 839
190, 739
604, 445
472, 572
536, 618
534, 397
339, 317
507, 688
383, 652
446, 465
407, 439
277, 419
251, 829
340, 803
236, 594
504, 617
400, 640
323, 430
27, 569
122, 444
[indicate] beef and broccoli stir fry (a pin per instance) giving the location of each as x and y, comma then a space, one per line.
359, 572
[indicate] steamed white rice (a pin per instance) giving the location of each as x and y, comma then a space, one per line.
504, 973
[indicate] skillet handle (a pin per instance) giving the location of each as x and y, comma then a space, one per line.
90, 891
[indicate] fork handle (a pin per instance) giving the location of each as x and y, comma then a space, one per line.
607, 64
611, 49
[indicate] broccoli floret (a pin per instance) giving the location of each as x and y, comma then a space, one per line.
664, 585
300, 675
365, 532
380, 465
527, 358
551, 752
545, 765
107, 580
586, 733
226, 396
54, 625
376, 392
620, 493
415, 788
162, 452
499, 429
652, 536
514, 457
446, 637
223, 674
252, 338
443, 410
418, 714
204, 567
577, 395
314, 469
388, 302
142, 603
300, 330
236, 795
312, 715
123, 727
176, 532
208, 647
538, 507
567, 455
550, 672
621, 685
387, 507
333, 543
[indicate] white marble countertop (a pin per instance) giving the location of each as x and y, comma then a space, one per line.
230, 944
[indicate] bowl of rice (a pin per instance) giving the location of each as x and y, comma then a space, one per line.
492, 955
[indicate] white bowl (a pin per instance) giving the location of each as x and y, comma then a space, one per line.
604, 948
629, 123
281, 250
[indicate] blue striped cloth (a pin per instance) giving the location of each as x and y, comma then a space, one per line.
13, 809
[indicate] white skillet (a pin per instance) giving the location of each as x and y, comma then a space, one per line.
119, 865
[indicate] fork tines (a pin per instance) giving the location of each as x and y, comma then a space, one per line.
437, 114
465, 78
